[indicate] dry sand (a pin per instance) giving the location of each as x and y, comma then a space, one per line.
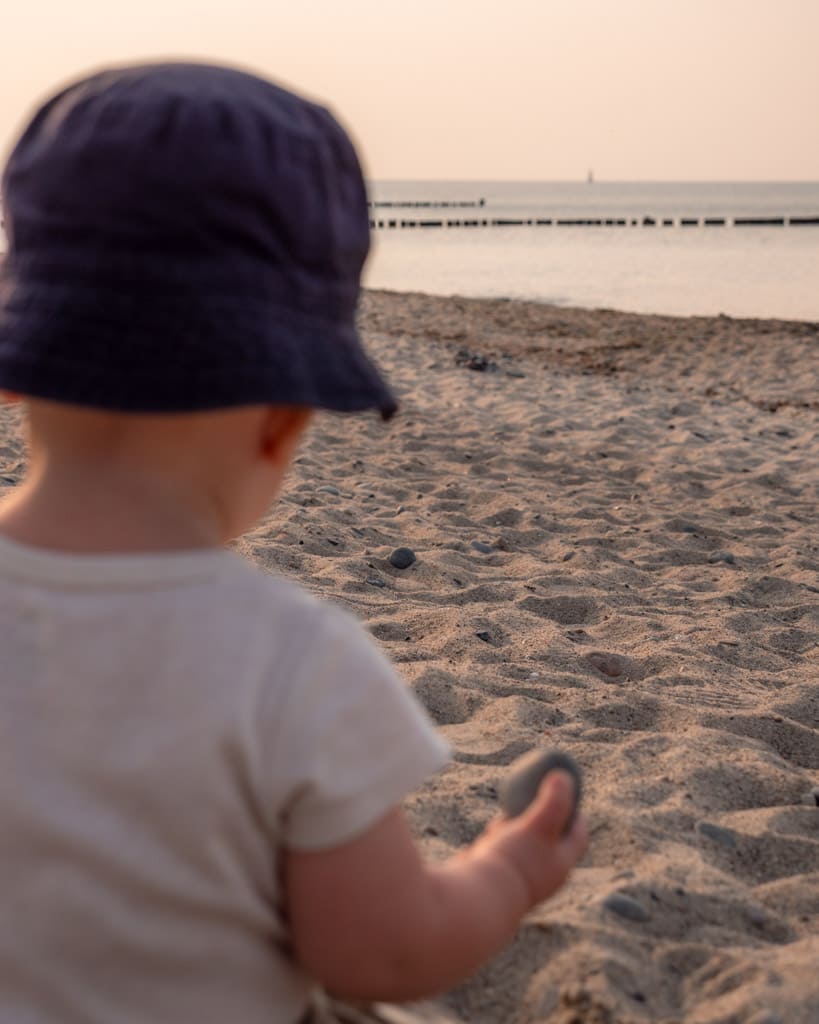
606, 462
647, 599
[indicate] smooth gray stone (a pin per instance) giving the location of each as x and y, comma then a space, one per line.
402, 558
523, 780
757, 916
374, 581
723, 836
721, 556
627, 907
327, 489
485, 549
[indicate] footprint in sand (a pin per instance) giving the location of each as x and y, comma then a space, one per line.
567, 611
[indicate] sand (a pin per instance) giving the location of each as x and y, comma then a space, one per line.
645, 596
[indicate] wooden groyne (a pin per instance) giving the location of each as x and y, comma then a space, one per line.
424, 203
647, 221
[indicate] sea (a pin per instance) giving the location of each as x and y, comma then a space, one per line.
768, 271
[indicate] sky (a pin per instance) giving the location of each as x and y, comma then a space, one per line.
537, 90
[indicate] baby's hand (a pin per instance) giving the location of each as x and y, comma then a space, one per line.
533, 845
371, 920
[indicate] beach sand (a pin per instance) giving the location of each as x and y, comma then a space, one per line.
645, 596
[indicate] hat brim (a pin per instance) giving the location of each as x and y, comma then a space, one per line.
154, 353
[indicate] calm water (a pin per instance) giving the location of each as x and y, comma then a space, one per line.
741, 271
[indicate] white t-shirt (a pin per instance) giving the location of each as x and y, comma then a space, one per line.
167, 724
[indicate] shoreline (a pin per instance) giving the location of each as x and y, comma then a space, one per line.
751, 358
393, 293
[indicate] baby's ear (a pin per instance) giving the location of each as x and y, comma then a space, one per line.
281, 431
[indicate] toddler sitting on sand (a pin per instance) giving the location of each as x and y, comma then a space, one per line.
202, 764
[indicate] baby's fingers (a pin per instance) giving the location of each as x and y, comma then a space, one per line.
575, 844
551, 811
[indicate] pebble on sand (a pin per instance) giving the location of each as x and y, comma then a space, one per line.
402, 558
485, 549
758, 916
474, 361
721, 556
626, 906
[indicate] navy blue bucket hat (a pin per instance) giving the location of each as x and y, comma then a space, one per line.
185, 237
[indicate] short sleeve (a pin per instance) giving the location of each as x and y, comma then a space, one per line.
351, 742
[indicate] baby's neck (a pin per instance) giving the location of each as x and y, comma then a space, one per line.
82, 511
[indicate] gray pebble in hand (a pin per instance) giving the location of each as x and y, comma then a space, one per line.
522, 783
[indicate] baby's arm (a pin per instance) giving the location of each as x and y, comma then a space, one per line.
371, 920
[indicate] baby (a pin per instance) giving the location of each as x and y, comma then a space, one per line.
202, 765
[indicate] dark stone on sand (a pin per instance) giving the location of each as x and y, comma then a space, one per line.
484, 635
721, 556
815, 794
626, 906
328, 489
723, 836
757, 916
402, 558
485, 549
569, 556
374, 581
474, 361
577, 636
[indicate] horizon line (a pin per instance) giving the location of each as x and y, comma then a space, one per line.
603, 181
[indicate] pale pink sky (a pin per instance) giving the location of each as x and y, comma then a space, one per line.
492, 89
